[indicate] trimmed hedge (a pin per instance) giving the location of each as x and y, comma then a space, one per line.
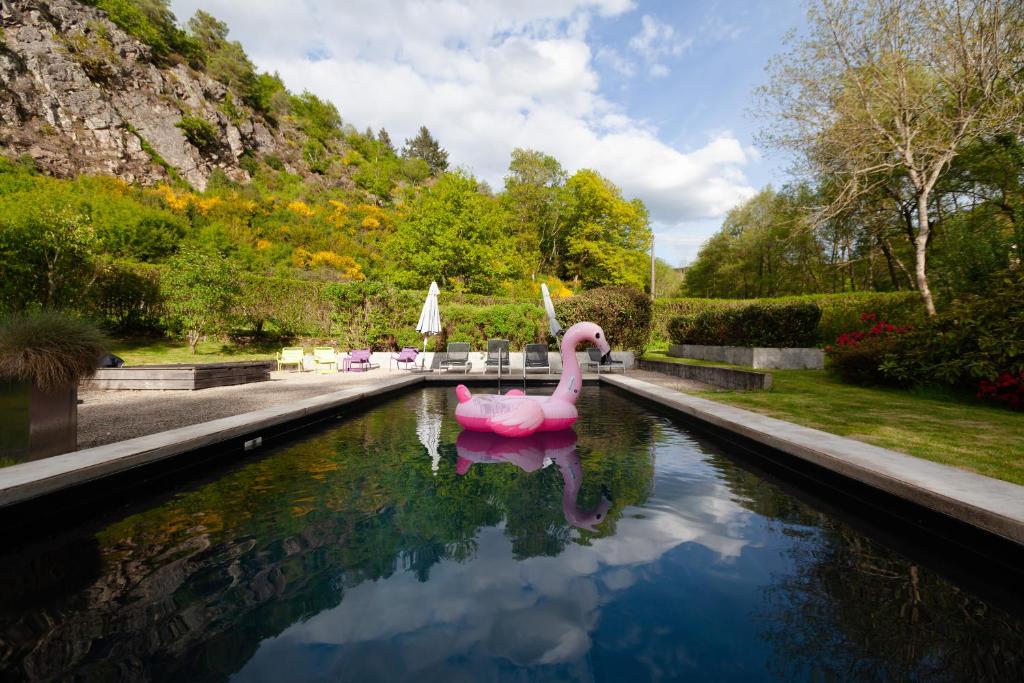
623, 313
839, 312
765, 325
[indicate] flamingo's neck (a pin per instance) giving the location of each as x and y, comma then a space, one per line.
572, 381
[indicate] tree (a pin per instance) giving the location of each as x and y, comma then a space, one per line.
534, 197
385, 141
425, 147
199, 288
456, 235
606, 238
896, 89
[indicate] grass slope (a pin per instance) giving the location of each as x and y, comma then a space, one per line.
159, 351
927, 424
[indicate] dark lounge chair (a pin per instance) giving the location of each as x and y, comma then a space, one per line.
457, 356
535, 357
497, 354
605, 362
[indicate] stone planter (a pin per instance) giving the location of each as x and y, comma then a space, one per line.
755, 357
36, 424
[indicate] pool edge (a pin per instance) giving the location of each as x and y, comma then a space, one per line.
28, 481
992, 505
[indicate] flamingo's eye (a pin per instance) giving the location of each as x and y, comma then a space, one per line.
598, 335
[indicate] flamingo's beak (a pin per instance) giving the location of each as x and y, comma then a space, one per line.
602, 344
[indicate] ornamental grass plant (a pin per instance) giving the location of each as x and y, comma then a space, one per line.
48, 349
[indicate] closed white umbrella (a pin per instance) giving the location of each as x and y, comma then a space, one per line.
549, 306
430, 317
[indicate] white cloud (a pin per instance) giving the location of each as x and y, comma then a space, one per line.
486, 77
656, 42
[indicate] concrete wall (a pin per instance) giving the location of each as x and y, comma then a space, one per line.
727, 378
755, 357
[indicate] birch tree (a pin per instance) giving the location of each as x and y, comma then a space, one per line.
897, 88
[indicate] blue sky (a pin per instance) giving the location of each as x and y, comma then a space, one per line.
654, 95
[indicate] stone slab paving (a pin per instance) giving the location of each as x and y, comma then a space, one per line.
991, 504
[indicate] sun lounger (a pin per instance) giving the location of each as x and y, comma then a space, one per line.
535, 357
406, 356
457, 356
606, 362
497, 354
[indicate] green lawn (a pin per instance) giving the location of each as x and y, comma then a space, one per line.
928, 424
150, 351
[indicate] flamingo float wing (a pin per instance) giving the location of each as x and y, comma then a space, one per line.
524, 419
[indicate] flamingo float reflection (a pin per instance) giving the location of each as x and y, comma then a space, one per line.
530, 454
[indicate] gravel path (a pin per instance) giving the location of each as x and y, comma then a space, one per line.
109, 416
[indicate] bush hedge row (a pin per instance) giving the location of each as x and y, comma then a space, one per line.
623, 313
839, 312
772, 325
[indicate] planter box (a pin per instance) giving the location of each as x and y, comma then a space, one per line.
180, 377
37, 424
755, 357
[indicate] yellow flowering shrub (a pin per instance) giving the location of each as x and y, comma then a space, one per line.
301, 208
371, 223
262, 244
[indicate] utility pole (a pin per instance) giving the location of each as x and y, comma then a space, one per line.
652, 266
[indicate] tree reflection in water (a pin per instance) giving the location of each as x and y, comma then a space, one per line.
194, 585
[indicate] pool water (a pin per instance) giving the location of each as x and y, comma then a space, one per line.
389, 547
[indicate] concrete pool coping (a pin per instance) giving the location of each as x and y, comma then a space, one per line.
989, 504
993, 505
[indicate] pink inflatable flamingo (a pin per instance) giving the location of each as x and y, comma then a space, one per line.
529, 455
515, 414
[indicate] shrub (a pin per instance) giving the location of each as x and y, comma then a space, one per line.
199, 289
520, 323
623, 313
978, 337
781, 325
839, 312
200, 133
858, 355
48, 349
126, 297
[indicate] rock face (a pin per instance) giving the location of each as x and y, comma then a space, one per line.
79, 95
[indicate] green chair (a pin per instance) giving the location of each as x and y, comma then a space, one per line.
291, 355
325, 359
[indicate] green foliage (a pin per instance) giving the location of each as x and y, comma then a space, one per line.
126, 298
49, 349
521, 324
623, 313
455, 235
198, 289
202, 134
839, 312
759, 325
153, 23
978, 337
425, 147
318, 119
48, 249
861, 364
93, 52
605, 236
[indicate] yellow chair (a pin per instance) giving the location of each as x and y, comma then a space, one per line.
291, 355
325, 359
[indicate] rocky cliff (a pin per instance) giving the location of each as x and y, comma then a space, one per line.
79, 95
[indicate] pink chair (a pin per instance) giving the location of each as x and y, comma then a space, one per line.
359, 361
407, 356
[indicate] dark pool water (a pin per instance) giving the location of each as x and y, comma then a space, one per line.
631, 550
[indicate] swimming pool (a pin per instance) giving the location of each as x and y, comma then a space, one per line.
387, 546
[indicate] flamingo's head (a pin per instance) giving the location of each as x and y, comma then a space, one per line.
590, 332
